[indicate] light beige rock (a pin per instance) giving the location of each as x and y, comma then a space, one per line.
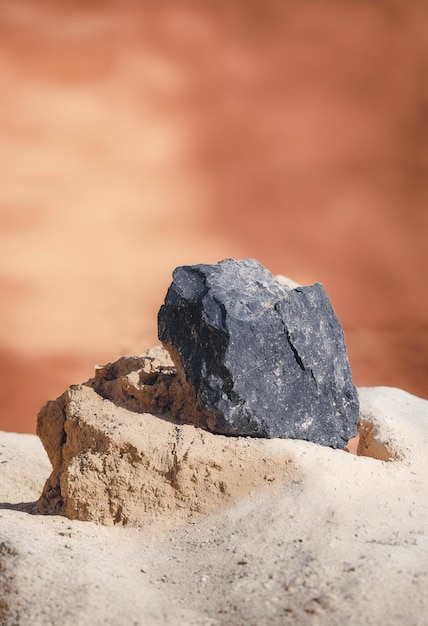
112, 465
298, 533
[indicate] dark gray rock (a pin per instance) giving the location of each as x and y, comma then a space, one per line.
262, 360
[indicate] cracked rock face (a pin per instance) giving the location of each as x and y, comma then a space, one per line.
260, 359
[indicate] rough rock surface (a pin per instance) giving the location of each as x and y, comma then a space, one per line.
114, 462
335, 539
260, 359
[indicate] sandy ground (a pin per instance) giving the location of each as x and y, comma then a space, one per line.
136, 138
342, 539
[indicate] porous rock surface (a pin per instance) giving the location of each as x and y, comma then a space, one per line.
120, 453
259, 358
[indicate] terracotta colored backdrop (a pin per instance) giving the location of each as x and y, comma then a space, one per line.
138, 136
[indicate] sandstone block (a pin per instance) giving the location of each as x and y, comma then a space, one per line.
115, 462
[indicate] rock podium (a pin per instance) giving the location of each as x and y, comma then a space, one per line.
260, 359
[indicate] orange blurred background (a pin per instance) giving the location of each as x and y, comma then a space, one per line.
138, 136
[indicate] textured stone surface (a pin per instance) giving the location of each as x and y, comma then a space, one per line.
114, 462
261, 359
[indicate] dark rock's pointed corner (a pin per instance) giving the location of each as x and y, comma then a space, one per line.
260, 358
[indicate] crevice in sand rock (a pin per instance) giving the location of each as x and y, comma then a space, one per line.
379, 437
370, 443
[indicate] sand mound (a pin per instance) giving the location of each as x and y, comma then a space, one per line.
334, 539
